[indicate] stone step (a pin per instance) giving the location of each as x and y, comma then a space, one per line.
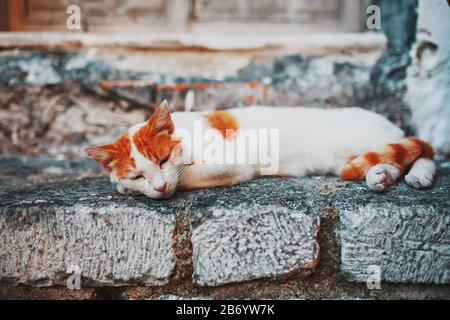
59, 214
67, 106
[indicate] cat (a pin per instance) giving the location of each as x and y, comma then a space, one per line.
153, 158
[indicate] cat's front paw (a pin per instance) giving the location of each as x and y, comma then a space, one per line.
381, 176
419, 179
121, 189
421, 174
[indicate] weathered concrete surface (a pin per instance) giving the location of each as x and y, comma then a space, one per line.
408, 244
251, 241
53, 103
270, 228
245, 232
405, 232
16, 168
229, 226
59, 118
47, 227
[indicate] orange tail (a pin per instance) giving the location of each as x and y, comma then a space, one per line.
400, 154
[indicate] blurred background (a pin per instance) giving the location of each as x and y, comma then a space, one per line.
77, 76
189, 15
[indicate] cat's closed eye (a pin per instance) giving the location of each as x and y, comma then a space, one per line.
161, 163
137, 177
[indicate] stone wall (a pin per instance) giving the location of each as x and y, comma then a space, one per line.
313, 237
429, 75
310, 237
54, 102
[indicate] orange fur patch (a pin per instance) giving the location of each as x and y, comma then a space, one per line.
400, 154
426, 150
154, 147
372, 157
223, 121
124, 162
154, 140
114, 156
352, 172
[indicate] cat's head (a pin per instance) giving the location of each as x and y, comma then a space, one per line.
145, 160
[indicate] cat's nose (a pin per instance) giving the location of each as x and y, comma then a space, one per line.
162, 188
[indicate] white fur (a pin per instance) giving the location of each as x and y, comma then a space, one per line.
311, 142
421, 174
381, 176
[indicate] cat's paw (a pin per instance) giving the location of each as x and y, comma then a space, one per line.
419, 180
121, 189
421, 174
381, 176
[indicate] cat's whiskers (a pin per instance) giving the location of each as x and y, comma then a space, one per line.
181, 169
178, 172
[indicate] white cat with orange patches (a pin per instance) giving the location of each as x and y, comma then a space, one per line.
352, 143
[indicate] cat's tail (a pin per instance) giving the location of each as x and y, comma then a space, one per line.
400, 154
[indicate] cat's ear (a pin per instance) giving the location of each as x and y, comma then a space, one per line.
161, 120
104, 154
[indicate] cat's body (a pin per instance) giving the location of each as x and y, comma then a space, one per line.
350, 142
311, 141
